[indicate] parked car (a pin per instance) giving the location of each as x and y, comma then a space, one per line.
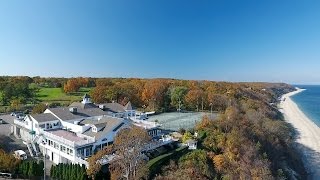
1, 121
20, 154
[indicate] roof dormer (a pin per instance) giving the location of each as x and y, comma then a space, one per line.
98, 127
128, 107
86, 99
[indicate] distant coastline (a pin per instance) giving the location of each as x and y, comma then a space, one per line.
308, 133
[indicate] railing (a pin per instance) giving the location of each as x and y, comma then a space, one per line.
156, 144
20, 123
67, 142
81, 161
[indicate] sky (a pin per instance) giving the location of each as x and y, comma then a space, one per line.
223, 40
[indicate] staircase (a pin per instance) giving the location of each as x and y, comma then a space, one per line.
35, 145
30, 149
35, 148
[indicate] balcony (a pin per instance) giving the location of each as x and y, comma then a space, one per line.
81, 161
63, 136
20, 123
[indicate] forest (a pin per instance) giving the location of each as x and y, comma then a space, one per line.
149, 94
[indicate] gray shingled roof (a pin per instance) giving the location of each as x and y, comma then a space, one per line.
64, 113
83, 106
100, 125
96, 121
8, 118
110, 125
44, 117
114, 107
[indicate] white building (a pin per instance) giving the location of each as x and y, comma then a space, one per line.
72, 134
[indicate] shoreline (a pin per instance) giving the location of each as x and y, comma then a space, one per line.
308, 133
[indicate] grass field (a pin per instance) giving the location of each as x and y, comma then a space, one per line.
57, 95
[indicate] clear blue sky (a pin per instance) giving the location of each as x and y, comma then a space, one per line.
236, 40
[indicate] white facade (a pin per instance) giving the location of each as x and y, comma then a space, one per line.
72, 140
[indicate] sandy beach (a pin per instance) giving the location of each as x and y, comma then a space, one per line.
308, 138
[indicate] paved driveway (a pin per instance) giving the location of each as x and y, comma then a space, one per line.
8, 142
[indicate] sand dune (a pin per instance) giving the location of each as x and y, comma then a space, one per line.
308, 138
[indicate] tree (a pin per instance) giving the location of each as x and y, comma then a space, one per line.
153, 93
186, 136
98, 94
198, 163
217, 102
72, 85
177, 96
128, 145
8, 163
16, 104
194, 98
39, 108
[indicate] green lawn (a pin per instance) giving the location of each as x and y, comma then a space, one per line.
57, 95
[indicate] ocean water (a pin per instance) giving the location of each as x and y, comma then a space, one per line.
309, 102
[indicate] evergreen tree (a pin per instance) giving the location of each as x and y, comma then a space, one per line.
69, 171
31, 169
40, 168
65, 177
51, 171
78, 169
25, 168
60, 172
73, 172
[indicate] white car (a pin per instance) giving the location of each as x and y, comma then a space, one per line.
20, 154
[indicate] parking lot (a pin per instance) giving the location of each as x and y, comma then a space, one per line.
8, 142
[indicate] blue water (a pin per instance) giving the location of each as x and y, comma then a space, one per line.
309, 102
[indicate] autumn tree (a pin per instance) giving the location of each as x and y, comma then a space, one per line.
16, 104
217, 102
199, 164
194, 98
39, 108
8, 163
154, 92
128, 145
72, 85
98, 94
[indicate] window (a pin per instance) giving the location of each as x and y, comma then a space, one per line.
56, 145
80, 152
50, 143
88, 151
62, 148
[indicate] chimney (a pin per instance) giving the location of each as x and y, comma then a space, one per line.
102, 106
73, 110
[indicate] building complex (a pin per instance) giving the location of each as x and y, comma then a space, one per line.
72, 134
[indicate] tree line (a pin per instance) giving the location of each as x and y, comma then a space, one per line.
146, 94
68, 172
170, 94
31, 169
